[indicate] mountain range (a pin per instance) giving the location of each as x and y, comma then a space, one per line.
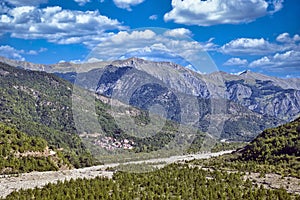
232, 107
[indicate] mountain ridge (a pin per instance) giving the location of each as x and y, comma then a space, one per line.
261, 94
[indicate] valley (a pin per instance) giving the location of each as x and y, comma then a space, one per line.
40, 179
115, 122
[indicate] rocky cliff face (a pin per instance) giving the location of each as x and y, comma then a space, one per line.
266, 97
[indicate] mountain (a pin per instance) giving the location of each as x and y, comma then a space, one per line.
39, 104
243, 104
44, 105
144, 84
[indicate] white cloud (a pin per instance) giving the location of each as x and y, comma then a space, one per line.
254, 46
82, 2
57, 25
286, 38
153, 45
248, 46
178, 32
213, 12
153, 17
147, 40
10, 52
126, 4
280, 62
34, 52
236, 62
16, 54
25, 2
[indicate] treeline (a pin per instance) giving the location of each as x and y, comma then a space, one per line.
14, 145
176, 181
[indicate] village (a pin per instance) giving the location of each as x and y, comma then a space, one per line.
110, 143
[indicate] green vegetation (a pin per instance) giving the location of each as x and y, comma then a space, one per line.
275, 150
39, 104
22, 153
275, 145
224, 146
176, 181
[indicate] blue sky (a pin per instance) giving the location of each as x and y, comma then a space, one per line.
260, 35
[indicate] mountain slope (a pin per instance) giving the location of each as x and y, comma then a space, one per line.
175, 93
39, 104
22, 153
275, 150
268, 101
280, 144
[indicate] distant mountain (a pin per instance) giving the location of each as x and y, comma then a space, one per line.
243, 104
143, 84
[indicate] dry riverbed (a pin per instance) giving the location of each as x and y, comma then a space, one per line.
9, 184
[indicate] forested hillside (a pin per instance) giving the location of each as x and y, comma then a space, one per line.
274, 150
39, 104
22, 153
275, 144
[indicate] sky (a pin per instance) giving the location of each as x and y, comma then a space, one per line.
228, 35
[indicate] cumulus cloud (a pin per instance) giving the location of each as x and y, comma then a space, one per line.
57, 25
10, 52
248, 46
236, 62
153, 45
178, 32
286, 38
288, 61
254, 46
126, 4
153, 17
213, 12
25, 2
16, 54
82, 2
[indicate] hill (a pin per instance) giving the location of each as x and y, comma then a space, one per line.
39, 104
22, 153
278, 146
275, 150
